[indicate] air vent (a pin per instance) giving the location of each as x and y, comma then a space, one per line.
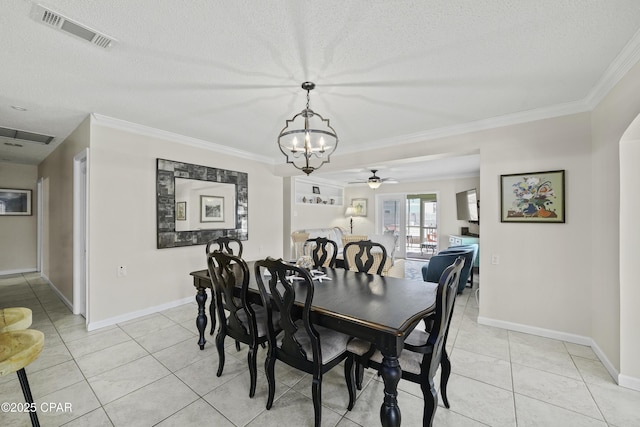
62, 23
25, 136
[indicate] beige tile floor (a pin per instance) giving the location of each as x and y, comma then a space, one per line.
149, 371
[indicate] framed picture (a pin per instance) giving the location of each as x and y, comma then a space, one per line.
15, 202
359, 207
181, 211
211, 209
532, 197
316, 190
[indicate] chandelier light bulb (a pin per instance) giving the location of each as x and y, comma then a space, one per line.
318, 138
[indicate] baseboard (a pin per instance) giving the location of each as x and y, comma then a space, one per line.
629, 382
57, 292
563, 336
18, 271
135, 314
533, 330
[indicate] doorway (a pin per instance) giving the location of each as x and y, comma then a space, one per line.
414, 219
80, 233
422, 225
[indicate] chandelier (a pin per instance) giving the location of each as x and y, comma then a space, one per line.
307, 140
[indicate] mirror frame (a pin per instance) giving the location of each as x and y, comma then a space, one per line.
166, 173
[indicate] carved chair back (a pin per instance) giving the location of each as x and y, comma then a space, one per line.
230, 245
227, 271
279, 294
323, 251
365, 257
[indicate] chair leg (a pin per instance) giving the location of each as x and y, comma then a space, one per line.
430, 402
253, 370
445, 372
349, 376
269, 365
26, 390
316, 393
212, 313
220, 346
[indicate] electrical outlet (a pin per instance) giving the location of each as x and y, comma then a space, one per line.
122, 271
495, 259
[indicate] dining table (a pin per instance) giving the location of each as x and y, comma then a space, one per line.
379, 309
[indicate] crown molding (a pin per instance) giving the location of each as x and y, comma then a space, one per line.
484, 124
114, 123
627, 58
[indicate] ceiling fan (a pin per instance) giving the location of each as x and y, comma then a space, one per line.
374, 181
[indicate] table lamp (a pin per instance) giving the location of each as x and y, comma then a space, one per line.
349, 212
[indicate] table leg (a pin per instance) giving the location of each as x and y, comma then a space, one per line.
201, 320
391, 374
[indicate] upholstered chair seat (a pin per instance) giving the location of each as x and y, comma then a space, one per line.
261, 319
332, 343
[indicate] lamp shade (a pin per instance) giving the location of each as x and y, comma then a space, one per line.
350, 211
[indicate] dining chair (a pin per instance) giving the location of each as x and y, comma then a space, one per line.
420, 363
323, 251
239, 319
230, 245
365, 256
300, 344
225, 244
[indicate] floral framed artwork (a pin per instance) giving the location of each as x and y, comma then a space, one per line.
532, 197
15, 202
181, 211
359, 207
211, 209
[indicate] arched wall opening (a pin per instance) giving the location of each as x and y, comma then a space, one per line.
629, 252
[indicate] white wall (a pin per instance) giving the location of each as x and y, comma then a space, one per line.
19, 233
57, 173
122, 221
629, 289
543, 279
615, 298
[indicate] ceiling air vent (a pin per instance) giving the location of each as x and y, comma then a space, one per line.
25, 136
62, 23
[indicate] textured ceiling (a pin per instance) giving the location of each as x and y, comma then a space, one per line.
229, 72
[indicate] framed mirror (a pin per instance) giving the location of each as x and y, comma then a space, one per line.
196, 204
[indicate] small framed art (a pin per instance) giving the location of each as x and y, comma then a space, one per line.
533, 197
211, 209
15, 202
181, 211
359, 207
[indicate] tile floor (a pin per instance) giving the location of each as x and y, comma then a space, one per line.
149, 372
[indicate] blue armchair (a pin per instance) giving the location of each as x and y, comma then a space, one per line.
474, 247
432, 270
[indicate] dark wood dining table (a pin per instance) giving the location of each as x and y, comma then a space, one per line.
379, 309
